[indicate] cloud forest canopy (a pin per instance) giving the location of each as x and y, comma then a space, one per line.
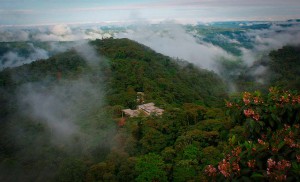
225, 73
69, 68
61, 115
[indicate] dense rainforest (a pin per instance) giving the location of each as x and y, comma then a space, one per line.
60, 118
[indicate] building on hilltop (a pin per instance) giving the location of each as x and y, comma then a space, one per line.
144, 109
130, 113
149, 109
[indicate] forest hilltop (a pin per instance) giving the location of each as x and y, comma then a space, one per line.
62, 119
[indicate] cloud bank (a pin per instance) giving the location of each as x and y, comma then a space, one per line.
65, 106
167, 38
60, 107
273, 38
55, 39
14, 58
173, 40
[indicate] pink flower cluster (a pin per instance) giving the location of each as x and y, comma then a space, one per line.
211, 170
271, 163
298, 157
277, 170
289, 140
251, 163
246, 98
261, 142
289, 136
229, 104
250, 113
224, 168
296, 99
285, 97
228, 166
256, 100
236, 167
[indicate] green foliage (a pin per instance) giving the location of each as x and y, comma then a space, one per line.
193, 132
184, 170
285, 66
152, 141
150, 167
101, 172
210, 155
191, 152
134, 67
130, 67
168, 154
127, 171
71, 170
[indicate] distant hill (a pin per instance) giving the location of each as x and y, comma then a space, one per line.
285, 67
63, 109
163, 79
129, 66
278, 68
58, 117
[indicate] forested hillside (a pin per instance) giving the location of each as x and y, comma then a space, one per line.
285, 67
60, 119
87, 96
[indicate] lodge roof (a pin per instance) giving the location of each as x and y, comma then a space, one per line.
147, 109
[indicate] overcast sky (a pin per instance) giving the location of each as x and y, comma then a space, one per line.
31, 12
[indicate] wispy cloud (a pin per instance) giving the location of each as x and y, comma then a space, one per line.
173, 40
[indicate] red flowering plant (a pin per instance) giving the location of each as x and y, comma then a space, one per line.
260, 113
272, 149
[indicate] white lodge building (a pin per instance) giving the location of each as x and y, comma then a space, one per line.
144, 109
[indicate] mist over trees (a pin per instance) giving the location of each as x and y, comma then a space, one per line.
60, 115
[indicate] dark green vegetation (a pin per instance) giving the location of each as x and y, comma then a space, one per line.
87, 97
135, 68
278, 68
285, 67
